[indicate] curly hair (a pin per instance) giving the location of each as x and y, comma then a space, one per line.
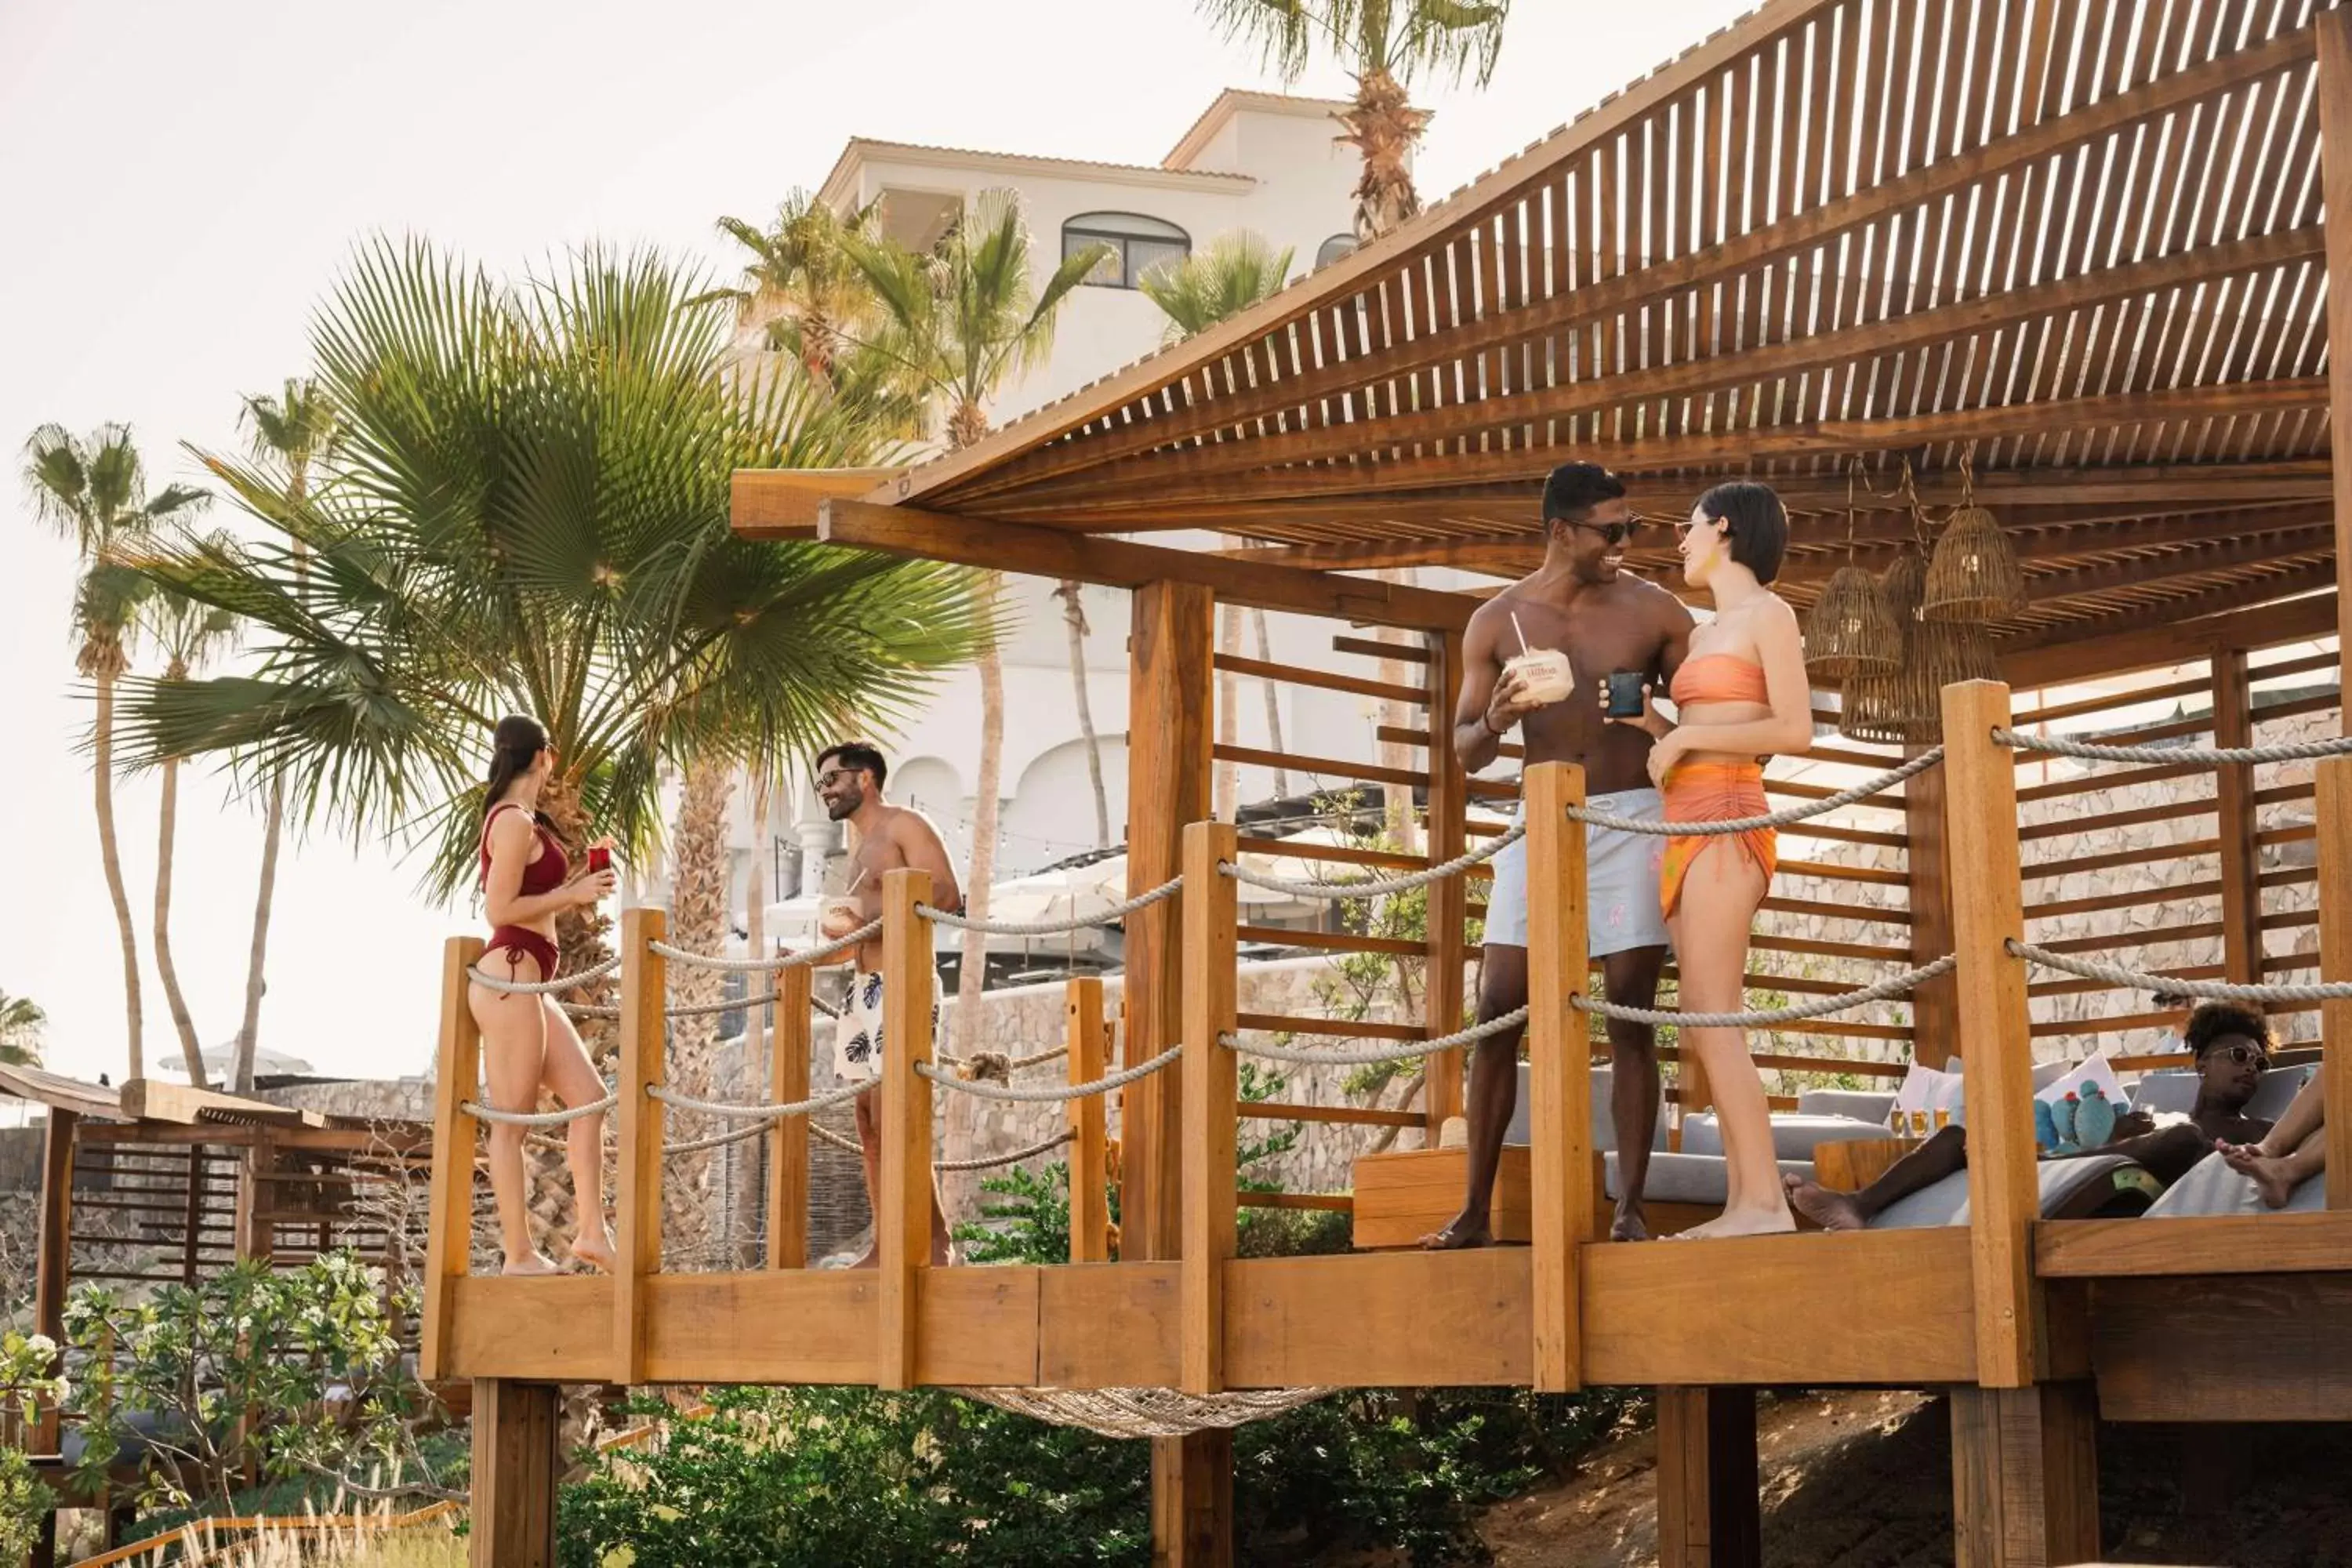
2217, 1021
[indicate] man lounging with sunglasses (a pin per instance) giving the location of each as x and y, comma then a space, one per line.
1581, 602
2232, 1048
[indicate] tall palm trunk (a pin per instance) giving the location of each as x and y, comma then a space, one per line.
168, 818
758, 1039
973, 975
1074, 616
249, 1033
1224, 797
1383, 126
108, 663
699, 909
1273, 703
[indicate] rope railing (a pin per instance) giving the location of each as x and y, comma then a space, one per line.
1787, 817
1043, 1094
728, 1109
813, 955
1110, 916
1373, 1055
2199, 756
2125, 979
497, 1118
1894, 986
1375, 888
587, 976
1012, 1157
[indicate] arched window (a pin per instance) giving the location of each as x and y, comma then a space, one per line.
1338, 246
1138, 244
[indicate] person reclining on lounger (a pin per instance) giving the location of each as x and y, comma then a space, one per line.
2232, 1047
2291, 1152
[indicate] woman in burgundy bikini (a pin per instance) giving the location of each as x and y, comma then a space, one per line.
527, 1043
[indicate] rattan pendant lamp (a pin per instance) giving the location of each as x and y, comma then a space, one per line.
1974, 577
1848, 633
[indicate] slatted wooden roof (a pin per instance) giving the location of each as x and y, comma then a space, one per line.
2078, 242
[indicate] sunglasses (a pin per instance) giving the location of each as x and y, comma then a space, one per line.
2241, 1056
826, 779
1610, 532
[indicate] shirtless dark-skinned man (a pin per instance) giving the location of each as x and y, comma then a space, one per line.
1582, 603
849, 782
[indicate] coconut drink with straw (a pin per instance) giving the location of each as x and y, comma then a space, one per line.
1545, 674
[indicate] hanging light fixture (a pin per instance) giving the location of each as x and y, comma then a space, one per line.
1974, 576
1848, 632
1871, 705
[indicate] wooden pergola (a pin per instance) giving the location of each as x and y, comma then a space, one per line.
2070, 258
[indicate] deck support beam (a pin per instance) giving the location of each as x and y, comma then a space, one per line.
1172, 648
516, 1468
2331, 809
2025, 1475
1442, 974
449, 1221
788, 1140
2333, 99
1709, 1505
1560, 1084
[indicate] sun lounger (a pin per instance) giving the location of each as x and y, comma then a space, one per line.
1793, 1136
2106, 1187
1701, 1179
2212, 1188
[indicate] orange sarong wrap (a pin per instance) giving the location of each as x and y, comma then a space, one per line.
1714, 792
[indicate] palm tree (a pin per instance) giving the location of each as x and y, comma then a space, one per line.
528, 514
189, 633
296, 428
1383, 43
959, 320
1074, 618
1233, 272
94, 491
1228, 276
799, 282
21, 1021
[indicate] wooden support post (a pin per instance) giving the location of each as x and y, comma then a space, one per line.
1996, 1049
1442, 981
2333, 99
902, 1221
516, 1468
2025, 1473
1211, 1092
2233, 798
1171, 701
788, 1138
1935, 1010
2332, 806
449, 1222
1089, 1196
53, 1255
193, 1216
644, 1050
1710, 1512
1560, 1125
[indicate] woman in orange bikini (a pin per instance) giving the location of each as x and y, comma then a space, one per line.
1741, 695
527, 1043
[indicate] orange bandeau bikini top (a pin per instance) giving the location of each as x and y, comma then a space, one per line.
1719, 677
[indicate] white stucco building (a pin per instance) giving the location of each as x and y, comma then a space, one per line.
1261, 162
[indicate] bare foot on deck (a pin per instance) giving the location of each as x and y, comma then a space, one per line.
1830, 1210
1775, 1221
2266, 1172
595, 1251
537, 1263
1462, 1232
1629, 1225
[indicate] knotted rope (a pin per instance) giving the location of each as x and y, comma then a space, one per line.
1371, 887
1043, 1094
589, 975
1111, 916
2138, 979
1785, 817
731, 1111
1143, 1412
1372, 1056
1885, 990
989, 1161
2201, 756
496, 1118
692, 960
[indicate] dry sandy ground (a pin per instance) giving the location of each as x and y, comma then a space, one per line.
1863, 1481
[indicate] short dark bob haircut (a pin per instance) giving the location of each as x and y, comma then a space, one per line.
1756, 522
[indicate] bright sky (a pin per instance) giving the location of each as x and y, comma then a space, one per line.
186, 180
